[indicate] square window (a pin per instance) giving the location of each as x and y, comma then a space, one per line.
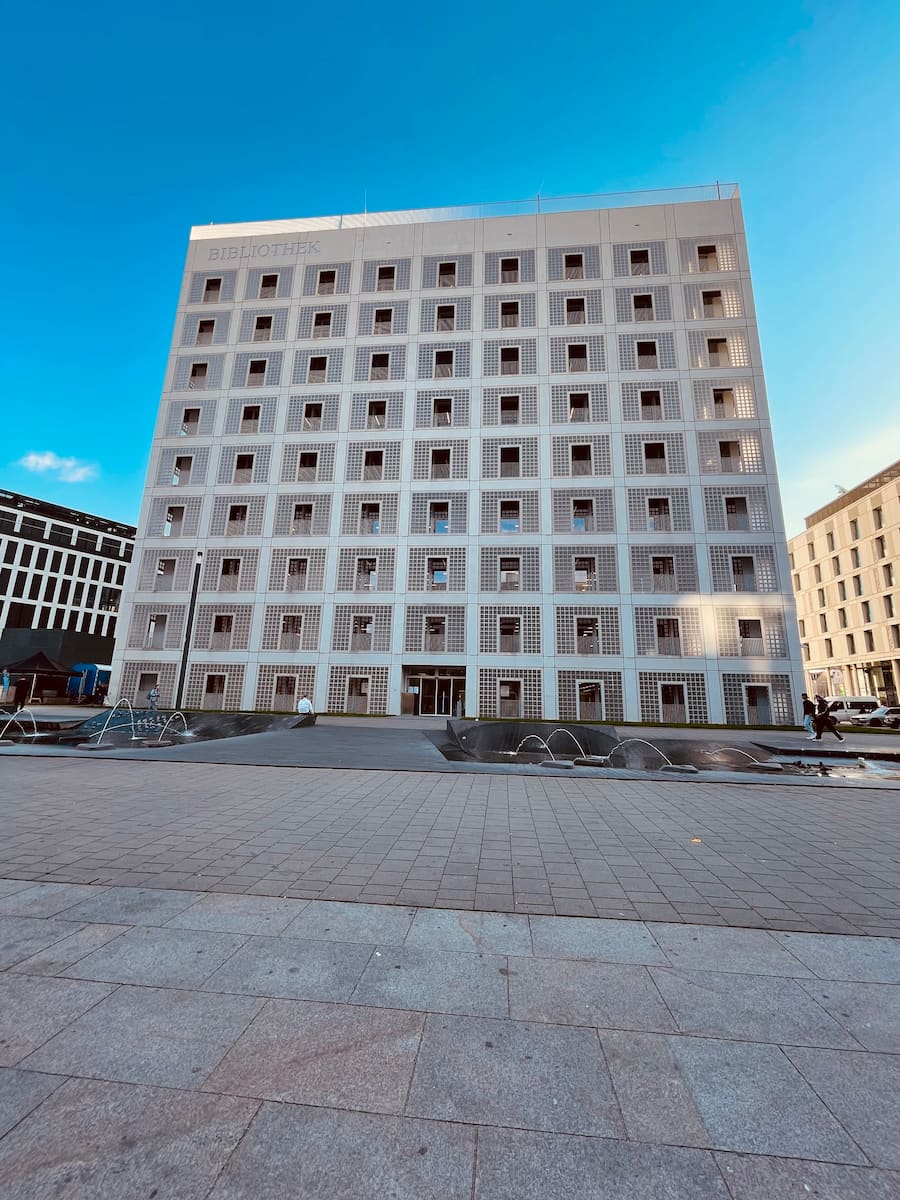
383, 320
643, 307
579, 406
321, 325
442, 411
268, 287
243, 468
199, 372
380, 366
250, 414
312, 415
190, 421
576, 357
647, 357
509, 314
212, 291
256, 373
575, 310
439, 516
639, 261
509, 270
440, 463
307, 465
445, 318
262, 329
510, 464
376, 414
510, 521
437, 574
443, 364
707, 258
510, 574
509, 410
509, 360
446, 276
574, 266
325, 282
386, 279
205, 331
318, 369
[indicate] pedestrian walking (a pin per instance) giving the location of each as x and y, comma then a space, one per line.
809, 711
153, 698
824, 720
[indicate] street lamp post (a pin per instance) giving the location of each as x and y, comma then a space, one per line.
188, 629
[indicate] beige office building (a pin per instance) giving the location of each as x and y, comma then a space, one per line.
844, 570
502, 461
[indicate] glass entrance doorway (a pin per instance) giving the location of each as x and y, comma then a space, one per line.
437, 691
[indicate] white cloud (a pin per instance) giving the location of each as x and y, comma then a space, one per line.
67, 470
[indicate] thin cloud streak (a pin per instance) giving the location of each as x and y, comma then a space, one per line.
66, 470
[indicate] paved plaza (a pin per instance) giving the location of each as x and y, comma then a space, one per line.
776, 856
223, 982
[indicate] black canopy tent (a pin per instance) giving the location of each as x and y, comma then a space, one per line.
41, 673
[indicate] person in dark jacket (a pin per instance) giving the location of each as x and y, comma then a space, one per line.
809, 711
824, 720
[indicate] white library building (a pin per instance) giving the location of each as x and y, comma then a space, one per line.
504, 461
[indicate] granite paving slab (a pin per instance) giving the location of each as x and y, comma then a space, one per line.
113, 1141
335, 1055
723, 1095
435, 981
863, 1092
604, 940
517, 1165
69, 950
20, 1092
133, 906
513, 1073
753, 1177
575, 992
332, 920
9, 887
22, 937
710, 948
45, 899
158, 957
324, 1154
869, 1011
292, 969
755, 1008
34, 1009
157, 1036
226, 912
472, 932
864, 959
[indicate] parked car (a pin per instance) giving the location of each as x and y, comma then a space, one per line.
847, 708
887, 715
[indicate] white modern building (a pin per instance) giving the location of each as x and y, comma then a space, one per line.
846, 565
494, 461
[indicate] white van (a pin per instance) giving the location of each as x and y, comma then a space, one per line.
842, 708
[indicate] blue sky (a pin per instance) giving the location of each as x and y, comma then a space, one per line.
133, 123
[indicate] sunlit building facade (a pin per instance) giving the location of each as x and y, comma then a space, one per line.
488, 462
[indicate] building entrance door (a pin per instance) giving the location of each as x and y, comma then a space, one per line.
439, 691
759, 704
